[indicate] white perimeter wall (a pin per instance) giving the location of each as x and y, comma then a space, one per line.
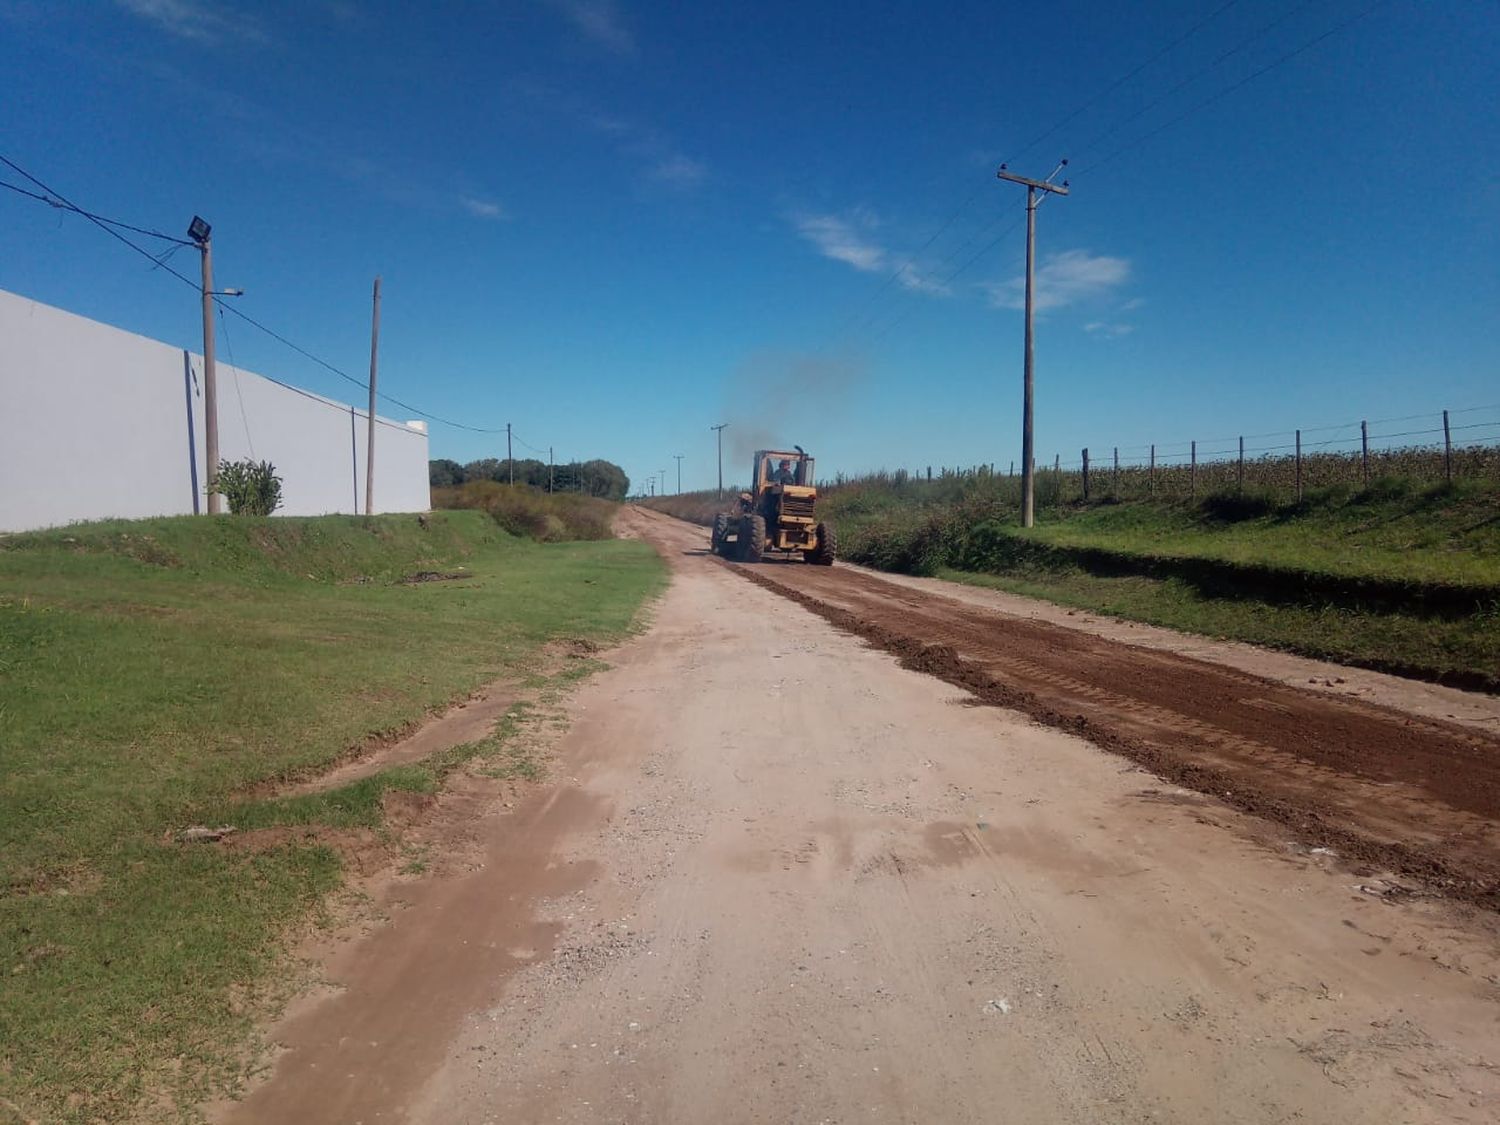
101, 423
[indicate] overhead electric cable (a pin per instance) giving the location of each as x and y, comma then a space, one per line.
1251, 77
1194, 76
1118, 82
55, 199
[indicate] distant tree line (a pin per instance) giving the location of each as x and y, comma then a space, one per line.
603, 479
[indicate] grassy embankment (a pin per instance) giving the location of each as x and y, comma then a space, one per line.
1400, 576
153, 674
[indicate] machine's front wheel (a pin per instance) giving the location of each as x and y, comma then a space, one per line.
752, 538
721, 529
827, 549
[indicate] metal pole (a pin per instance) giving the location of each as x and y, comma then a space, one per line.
1364, 451
1242, 464
1028, 474
549, 468
210, 382
1028, 466
370, 436
679, 472
719, 433
1193, 472
510, 461
1151, 479
1085, 473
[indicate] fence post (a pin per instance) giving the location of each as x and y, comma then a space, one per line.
1151, 479
1299, 465
1114, 484
1193, 471
1447, 450
929, 472
1364, 451
1085, 473
1012, 469
1057, 475
1242, 463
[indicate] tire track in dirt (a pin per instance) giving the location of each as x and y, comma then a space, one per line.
1385, 789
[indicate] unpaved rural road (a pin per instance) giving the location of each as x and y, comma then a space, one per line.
775, 876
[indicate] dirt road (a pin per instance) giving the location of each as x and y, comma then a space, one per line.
777, 877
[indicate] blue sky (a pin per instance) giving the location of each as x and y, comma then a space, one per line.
615, 223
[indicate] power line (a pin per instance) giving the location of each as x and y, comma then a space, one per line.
100, 223
55, 199
527, 444
52, 199
1195, 75
968, 201
1272, 65
239, 394
1118, 82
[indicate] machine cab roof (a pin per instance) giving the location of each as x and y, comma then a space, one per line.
768, 462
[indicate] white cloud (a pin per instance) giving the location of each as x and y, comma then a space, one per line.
679, 171
848, 241
482, 208
1106, 328
908, 277
599, 20
196, 21
1063, 279
838, 239
1133, 304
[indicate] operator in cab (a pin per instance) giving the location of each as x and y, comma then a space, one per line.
784, 473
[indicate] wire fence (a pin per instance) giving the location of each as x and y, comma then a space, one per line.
1447, 445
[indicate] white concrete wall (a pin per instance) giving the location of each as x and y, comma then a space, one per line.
97, 425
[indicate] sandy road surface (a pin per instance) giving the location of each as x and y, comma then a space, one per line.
779, 878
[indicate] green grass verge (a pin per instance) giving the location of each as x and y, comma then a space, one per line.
153, 671
1445, 536
1464, 652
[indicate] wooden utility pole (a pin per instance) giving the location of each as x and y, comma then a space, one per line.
510, 461
549, 468
201, 233
1028, 470
1447, 449
719, 431
679, 472
370, 436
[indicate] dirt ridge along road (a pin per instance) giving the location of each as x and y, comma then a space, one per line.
1409, 793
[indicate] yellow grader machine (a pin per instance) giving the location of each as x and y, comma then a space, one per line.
777, 514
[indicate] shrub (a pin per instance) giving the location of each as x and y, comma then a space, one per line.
251, 487
547, 517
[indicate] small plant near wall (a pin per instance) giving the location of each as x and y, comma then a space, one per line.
251, 487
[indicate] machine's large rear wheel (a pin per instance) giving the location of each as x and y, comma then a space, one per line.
826, 550
752, 538
721, 529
